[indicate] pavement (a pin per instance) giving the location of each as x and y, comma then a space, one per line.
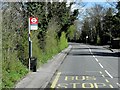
42, 77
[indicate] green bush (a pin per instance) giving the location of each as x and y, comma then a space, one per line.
51, 47
71, 32
13, 73
63, 41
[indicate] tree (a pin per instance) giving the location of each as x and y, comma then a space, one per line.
93, 24
108, 26
116, 21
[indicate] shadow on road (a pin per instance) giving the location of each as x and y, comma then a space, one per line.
116, 54
79, 51
88, 48
95, 53
75, 52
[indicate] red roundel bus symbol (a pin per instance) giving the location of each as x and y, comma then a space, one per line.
33, 20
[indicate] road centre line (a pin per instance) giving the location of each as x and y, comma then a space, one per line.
96, 59
105, 70
101, 65
109, 74
93, 56
100, 72
90, 50
56, 80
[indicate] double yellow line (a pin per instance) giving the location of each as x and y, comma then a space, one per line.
56, 80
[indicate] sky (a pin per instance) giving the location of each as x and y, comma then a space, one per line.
89, 4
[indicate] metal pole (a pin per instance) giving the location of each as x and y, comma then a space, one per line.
29, 42
31, 49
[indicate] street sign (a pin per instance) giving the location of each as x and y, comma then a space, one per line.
33, 20
33, 27
33, 23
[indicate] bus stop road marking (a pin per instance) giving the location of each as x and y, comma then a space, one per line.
56, 80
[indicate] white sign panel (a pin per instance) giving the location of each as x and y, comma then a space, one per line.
34, 27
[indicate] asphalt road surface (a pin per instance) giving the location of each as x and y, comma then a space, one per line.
87, 66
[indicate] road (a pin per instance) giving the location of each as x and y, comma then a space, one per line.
87, 66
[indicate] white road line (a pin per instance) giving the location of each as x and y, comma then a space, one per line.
105, 70
90, 50
96, 59
108, 74
118, 84
101, 65
100, 72
93, 56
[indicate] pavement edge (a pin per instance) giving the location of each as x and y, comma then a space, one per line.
67, 50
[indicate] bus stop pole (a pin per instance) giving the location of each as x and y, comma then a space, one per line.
29, 43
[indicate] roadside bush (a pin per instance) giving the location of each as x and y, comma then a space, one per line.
13, 70
63, 41
71, 32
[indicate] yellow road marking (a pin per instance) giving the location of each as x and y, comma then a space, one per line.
111, 86
62, 85
96, 86
66, 78
56, 80
69, 78
106, 80
74, 85
85, 85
